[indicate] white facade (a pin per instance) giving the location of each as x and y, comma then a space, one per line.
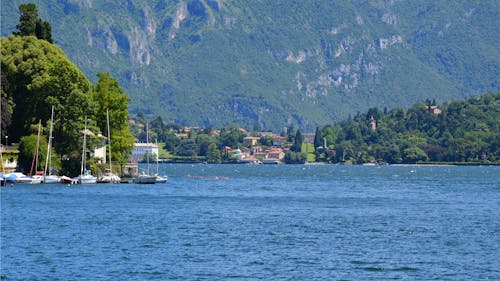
100, 153
140, 150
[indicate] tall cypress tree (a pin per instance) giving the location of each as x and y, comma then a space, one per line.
43, 30
27, 19
297, 143
318, 140
31, 25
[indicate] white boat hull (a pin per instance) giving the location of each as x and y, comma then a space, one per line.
51, 179
86, 179
108, 179
145, 179
161, 179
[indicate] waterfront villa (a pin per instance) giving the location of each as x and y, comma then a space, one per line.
140, 150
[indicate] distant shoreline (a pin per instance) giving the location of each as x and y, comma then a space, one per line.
442, 164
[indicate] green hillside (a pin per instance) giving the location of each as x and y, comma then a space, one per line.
275, 63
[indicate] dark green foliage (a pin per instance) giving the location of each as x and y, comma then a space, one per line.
43, 31
109, 96
27, 156
297, 143
462, 131
213, 154
277, 63
465, 131
292, 157
27, 20
31, 25
37, 75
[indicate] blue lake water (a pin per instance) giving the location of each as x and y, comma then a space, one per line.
251, 222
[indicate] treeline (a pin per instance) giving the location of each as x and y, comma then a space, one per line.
462, 131
36, 75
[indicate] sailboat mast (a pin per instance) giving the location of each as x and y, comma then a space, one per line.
84, 166
147, 144
157, 156
34, 162
109, 141
38, 144
1, 157
49, 145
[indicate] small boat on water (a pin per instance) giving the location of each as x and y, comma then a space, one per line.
47, 177
145, 179
161, 179
85, 176
108, 177
68, 180
50, 179
21, 178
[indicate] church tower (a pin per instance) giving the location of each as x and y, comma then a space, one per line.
372, 123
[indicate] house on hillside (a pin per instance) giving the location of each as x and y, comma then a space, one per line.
279, 141
250, 141
434, 108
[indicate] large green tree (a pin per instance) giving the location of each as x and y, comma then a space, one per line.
39, 76
109, 97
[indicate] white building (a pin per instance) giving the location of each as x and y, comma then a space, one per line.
140, 150
100, 153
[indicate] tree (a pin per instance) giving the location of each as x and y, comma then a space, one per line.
7, 107
318, 140
297, 142
31, 25
43, 30
27, 151
231, 137
414, 154
213, 154
292, 157
40, 76
109, 96
27, 19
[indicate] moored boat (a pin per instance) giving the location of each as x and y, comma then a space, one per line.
108, 177
68, 180
47, 177
50, 179
85, 176
161, 179
145, 179
21, 178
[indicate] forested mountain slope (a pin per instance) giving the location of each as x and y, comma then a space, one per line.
274, 63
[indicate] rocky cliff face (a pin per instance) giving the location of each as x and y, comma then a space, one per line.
270, 63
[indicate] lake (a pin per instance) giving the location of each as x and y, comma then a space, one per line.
259, 222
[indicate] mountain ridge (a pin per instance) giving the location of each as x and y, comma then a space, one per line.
271, 64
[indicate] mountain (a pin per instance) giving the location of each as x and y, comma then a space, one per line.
275, 63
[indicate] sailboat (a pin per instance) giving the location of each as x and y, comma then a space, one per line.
159, 179
144, 178
38, 177
108, 176
2, 174
47, 177
85, 176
